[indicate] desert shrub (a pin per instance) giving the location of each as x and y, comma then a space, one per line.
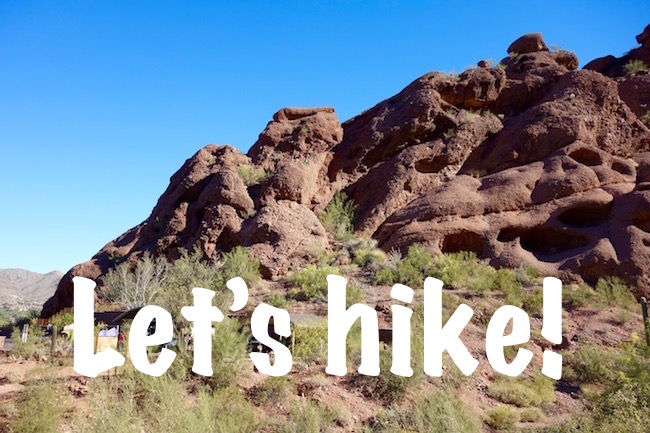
272, 391
501, 418
354, 295
338, 216
623, 316
384, 277
136, 285
310, 283
411, 271
512, 392
463, 270
386, 386
530, 414
576, 296
613, 292
251, 175
366, 254
239, 263
441, 411
229, 352
526, 274
307, 417
448, 135
591, 364
35, 346
529, 393
133, 402
620, 398
277, 300
61, 320
340, 414
310, 344
534, 302
39, 409
634, 66
468, 116
183, 274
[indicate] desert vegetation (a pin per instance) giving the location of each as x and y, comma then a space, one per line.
607, 378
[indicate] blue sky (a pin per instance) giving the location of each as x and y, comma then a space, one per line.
101, 102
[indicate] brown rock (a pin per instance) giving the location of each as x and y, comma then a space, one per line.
283, 236
530, 162
528, 43
644, 37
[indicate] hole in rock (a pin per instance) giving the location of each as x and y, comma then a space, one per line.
428, 165
586, 156
624, 169
464, 241
646, 242
586, 214
549, 240
509, 234
645, 186
643, 223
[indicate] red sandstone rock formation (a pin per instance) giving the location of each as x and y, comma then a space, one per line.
531, 161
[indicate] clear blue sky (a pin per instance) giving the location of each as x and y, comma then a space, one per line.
101, 102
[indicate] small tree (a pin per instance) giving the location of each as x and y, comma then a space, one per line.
135, 286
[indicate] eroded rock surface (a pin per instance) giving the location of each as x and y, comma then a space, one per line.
530, 161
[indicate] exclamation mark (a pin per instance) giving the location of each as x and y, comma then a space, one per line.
552, 326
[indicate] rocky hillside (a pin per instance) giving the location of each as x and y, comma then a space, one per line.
22, 290
530, 161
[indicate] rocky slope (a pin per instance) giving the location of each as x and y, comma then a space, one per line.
528, 161
22, 290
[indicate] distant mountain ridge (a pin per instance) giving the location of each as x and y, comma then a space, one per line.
21, 289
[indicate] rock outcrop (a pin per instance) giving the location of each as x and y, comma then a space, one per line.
531, 161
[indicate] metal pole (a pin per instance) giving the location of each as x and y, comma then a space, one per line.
646, 323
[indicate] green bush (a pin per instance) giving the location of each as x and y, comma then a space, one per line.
272, 391
310, 344
516, 393
501, 418
338, 216
310, 283
34, 348
531, 414
529, 393
133, 402
366, 254
229, 352
354, 295
634, 66
526, 274
613, 292
463, 270
239, 263
39, 409
576, 296
387, 386
411, 271
251, 175
277, 300
441, 411
307, 417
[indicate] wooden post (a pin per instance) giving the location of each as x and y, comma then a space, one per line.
54, 332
